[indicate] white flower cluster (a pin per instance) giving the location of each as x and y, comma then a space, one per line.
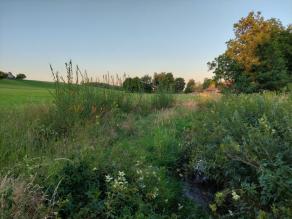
140, 178
119, 183
235, 196
180, 206
145, 174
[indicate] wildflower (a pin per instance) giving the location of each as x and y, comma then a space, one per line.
121, 178
116, 184
121, 173
235, 196
230, 212
108, 178
139, 171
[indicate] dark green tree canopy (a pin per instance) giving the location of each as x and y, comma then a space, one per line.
20, 76
3, 75
190, 86
179, 84
164, 82
146, 81
132, 84
265, 67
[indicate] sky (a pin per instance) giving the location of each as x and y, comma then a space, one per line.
135, 37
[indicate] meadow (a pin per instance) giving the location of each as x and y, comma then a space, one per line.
77, 151
18, 92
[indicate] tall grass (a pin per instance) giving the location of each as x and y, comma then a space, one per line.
86, 153
74, 101
39, 129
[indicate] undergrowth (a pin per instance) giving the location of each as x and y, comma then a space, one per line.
243, 144
102, 153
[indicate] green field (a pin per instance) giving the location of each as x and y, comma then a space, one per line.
17, 92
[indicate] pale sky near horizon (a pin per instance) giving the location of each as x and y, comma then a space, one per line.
122, 36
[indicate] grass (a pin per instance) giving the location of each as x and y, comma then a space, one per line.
14, 93
101, 153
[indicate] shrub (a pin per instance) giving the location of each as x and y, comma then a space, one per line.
244, 144
20, 76
86, 190
3, 75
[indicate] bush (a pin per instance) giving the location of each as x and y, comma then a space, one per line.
244, 145
85, 188
3, 75
20, 76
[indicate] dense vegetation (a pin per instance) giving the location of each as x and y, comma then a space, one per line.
105, 153
88, 155
9, 75
161, 82
258, 58
247, 154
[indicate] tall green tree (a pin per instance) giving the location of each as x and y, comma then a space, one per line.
163, 81
132, 84
258, 58
179, 84
250, 32
190, 86
146, 81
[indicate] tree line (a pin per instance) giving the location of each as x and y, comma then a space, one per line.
160, 82
9, 75
163, 81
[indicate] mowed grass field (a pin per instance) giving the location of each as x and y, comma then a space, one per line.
14, 93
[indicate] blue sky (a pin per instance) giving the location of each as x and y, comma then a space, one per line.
133, 36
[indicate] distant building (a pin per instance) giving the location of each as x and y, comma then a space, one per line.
10, 76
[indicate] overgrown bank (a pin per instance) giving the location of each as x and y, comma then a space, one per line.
93, 153
242, 145
109, 154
